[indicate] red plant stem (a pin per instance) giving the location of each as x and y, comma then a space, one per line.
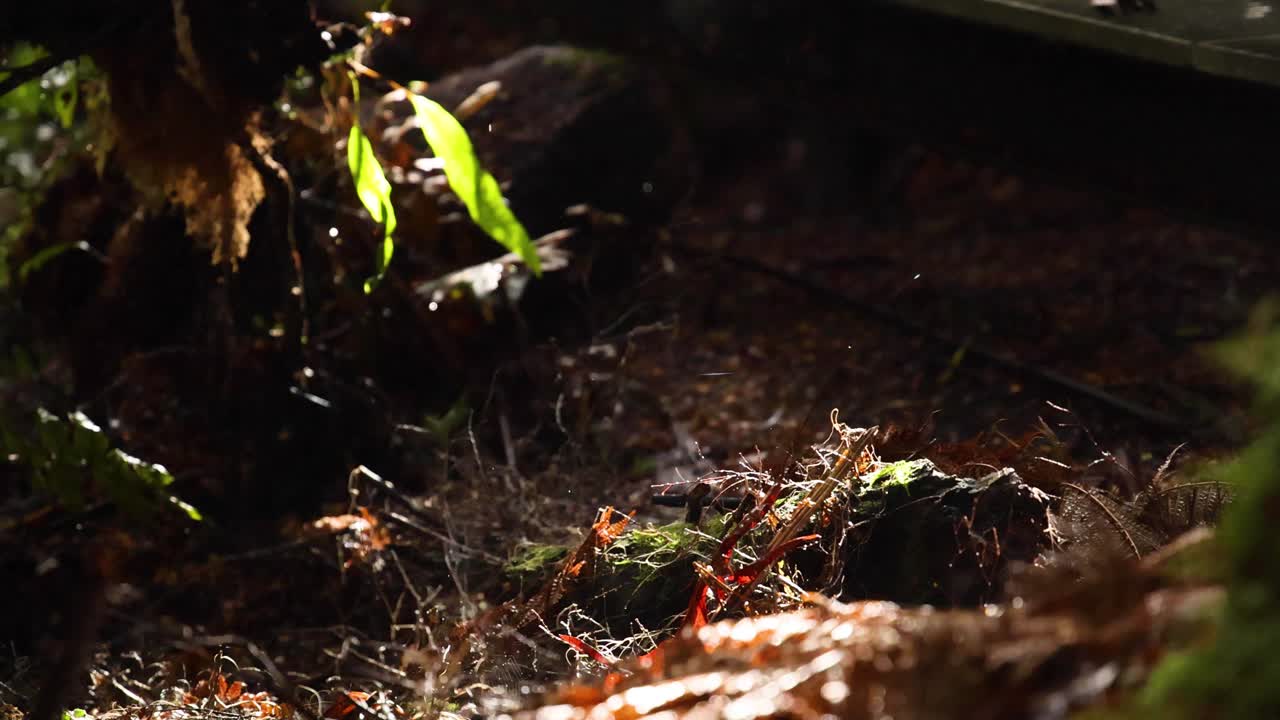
749, 573
586, 649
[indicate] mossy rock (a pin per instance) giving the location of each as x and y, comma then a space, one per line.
648, 573
920, 535
645, 575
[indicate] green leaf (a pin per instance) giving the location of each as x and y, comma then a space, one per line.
66, 97
71, 458
373, 189
371, 184
42, 258
443, 426
474, 186
24, 99
191, 512
375, 195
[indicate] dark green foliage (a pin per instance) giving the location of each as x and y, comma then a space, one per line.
40, 131
72, 460
1236, 674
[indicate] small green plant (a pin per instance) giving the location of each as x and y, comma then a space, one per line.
71, 459
442, 427
475, 187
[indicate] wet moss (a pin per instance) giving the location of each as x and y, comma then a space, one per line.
534, 562
647, 574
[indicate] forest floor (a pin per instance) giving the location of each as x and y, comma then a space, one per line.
978, 318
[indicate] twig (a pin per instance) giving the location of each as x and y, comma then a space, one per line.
258, 553
415, 509
442, 537
845, 463
508, 446
387, 487
682, 500
475, 447
127, 692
